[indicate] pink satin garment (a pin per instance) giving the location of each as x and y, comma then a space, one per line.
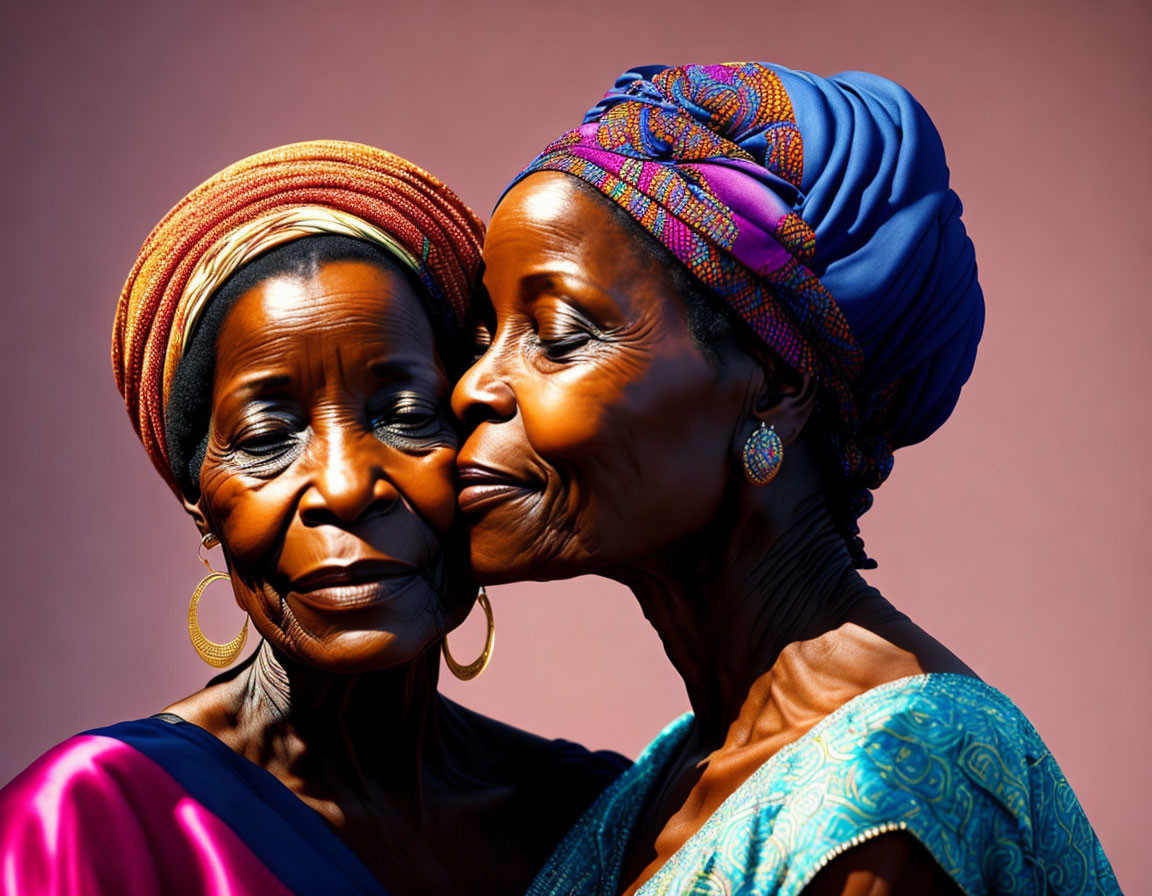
95, 816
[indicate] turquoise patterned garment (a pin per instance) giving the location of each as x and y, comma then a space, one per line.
946, 758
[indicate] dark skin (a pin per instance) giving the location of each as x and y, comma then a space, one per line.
606, 441
329, 479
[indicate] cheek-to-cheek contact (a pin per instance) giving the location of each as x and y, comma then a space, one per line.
431, 487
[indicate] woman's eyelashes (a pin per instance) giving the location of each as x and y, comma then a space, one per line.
266, 445
409, 417
264, 442
563, 347
561, 332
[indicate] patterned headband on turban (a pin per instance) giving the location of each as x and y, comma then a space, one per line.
273, 197
819, 210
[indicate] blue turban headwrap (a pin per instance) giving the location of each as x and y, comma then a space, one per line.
819, 210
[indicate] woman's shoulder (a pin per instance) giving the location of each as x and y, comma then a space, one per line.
100, 765
939, 709
66, 802
944, 758
97, 814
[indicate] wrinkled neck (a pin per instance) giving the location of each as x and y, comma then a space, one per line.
728, 603
377, 726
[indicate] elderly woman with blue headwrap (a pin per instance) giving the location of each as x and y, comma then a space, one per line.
718, 307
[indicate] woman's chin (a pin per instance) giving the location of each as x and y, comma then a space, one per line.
351, 652
520, 564
494, 568
379, 635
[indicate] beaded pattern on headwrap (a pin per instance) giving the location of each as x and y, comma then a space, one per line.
286, 193
660, 149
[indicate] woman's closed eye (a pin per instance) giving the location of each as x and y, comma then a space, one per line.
266, 444
409, 418
562, 331
562, 347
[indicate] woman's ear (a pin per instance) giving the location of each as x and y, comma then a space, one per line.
194, 511
786, 400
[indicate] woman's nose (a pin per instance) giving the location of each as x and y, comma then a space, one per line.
349, 480
483, 394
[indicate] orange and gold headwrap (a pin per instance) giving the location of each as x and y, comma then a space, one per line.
299, 190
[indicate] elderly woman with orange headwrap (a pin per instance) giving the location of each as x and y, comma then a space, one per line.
285, 345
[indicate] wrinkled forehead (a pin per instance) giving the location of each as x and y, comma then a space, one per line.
347, 313
553, 222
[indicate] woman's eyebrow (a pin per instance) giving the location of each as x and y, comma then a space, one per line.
260, 382
561, 279
255, 385
555, 270
392, 365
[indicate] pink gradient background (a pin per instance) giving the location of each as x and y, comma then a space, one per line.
1016, 535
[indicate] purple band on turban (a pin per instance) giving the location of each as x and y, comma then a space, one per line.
819, 210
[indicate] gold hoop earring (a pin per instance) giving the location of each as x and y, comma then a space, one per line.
763, 455
467, 673
218, 655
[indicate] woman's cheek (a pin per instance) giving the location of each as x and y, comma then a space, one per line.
431, 487
564, 417
247, 513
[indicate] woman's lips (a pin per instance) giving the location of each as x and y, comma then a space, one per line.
481, 486
352, 586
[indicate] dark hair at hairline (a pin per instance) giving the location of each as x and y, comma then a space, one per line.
189, 409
